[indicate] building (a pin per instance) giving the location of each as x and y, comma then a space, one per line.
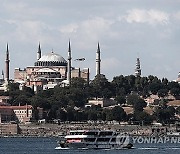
48, 71
21, 114
6, 114
102, 102
4, 101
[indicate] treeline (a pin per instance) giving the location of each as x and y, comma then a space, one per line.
67, 103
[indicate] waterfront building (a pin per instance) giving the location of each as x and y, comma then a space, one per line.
20, 114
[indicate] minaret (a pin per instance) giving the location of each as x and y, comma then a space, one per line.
138, 68
88, 76
7, 64
3, 75
69, 64
39, 52
98, 61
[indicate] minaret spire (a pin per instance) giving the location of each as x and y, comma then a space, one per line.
39, 52
69, 64
98, 60
2, 74
138, 68
7, 63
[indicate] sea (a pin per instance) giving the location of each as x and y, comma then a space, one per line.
32, 145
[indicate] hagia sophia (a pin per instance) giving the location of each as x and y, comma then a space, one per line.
52, 69
48, 71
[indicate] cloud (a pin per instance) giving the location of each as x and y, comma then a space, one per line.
152, 17
25, 11
70, 28
88, 32
89, 27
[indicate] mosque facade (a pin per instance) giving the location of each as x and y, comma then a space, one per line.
48, 71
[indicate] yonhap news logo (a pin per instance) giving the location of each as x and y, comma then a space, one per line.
156, 139
123, 139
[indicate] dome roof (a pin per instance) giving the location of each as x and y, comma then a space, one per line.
52, 57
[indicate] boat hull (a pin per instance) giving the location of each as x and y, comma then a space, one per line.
83, 145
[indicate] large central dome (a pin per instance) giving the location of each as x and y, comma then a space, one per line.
51, 59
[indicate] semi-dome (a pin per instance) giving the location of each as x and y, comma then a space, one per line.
51, 59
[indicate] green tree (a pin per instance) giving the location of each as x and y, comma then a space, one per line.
143, 118
175, 92
120, 99
164, 115
162, 92
178, 110
101, 87
118, 113
137, 102
61, 114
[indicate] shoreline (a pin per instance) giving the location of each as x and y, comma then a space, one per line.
55, 130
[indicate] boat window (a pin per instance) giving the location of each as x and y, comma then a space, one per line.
91, 133
89, 139
103, 139
76, 133
106, 133
113, 140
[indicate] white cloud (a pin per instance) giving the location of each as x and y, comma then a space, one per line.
87, 32
151, 17
25, 11
71, 28
30, 31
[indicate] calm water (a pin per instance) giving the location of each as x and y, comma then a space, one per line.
47, 146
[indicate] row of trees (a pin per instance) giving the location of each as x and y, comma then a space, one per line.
60, 101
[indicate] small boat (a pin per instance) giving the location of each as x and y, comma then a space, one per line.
95, 139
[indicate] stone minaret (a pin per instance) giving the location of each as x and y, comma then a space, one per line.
138, 68
7, 64
69, 64
39, 52
88, 76
2, 74
98, 61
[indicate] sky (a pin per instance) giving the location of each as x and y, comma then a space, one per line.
125, 29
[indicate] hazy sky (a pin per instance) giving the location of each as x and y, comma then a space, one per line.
125, 29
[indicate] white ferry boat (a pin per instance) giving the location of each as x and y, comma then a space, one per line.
95, 139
